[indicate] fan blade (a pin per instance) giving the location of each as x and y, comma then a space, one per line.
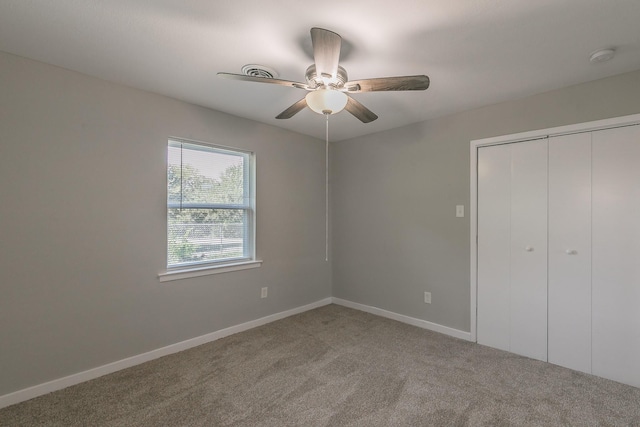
326, 51
420, 82
361, 112
293, 110
246, 78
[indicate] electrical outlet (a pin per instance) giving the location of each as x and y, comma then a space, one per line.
427, 297
263, 293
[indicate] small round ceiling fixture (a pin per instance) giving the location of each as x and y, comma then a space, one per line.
255, 70
602, 55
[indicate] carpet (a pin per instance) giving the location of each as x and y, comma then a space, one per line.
335, 366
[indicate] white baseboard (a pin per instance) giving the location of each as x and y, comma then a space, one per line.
405, 319
58, 384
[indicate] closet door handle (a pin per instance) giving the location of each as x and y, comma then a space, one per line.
571, 252
528, 248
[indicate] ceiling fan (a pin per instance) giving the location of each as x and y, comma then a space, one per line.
328, 85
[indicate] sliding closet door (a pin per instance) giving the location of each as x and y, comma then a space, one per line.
512, 248
494, 237
616, 254
569, 333
529, 249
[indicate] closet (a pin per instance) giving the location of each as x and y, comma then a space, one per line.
558, 248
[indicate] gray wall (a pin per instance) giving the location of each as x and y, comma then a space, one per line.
395, 234
83, 224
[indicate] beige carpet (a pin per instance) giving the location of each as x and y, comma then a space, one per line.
334, 366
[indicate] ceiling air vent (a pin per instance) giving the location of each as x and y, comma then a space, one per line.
254, 70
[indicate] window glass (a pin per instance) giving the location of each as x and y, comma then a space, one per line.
209, 204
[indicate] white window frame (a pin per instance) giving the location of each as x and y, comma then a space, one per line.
247, 261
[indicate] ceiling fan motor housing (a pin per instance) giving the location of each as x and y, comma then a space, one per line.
316, 80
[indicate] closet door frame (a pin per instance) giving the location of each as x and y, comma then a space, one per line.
510, 139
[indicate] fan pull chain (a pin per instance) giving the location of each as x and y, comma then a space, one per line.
326, 188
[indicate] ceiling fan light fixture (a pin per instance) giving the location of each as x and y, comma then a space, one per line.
326, 101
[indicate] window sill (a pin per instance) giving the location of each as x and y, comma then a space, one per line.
185, 273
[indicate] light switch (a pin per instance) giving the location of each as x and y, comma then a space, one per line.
459, 211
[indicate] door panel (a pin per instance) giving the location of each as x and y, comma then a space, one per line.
494, 170
512, 248
528, 254
569, 333
616, 254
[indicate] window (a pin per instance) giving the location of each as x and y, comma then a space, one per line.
210, 205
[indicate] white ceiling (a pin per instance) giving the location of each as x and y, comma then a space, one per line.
476, 52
